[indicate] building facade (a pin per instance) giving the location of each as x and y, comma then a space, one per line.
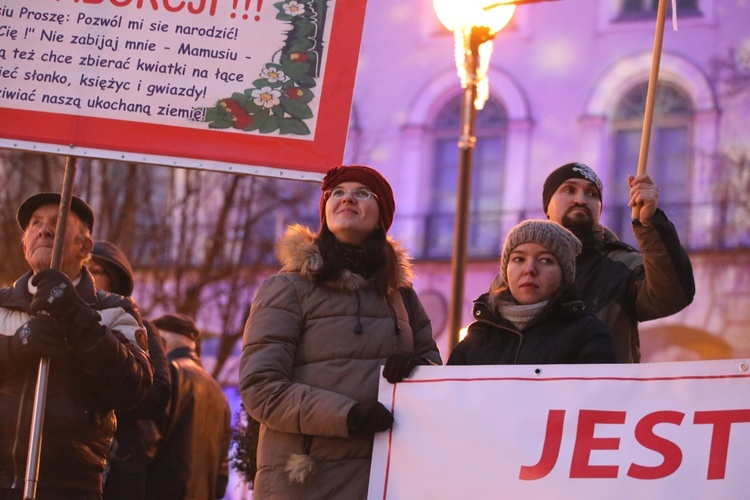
568, 82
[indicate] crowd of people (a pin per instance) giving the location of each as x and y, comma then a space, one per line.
131, 413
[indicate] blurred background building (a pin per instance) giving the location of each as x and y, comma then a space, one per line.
568, 82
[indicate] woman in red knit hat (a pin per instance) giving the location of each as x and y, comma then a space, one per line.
318, 333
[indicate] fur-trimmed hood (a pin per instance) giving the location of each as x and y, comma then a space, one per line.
298, 252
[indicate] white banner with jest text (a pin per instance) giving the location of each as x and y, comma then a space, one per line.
666, 430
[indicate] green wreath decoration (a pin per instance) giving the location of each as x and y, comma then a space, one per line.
279, 99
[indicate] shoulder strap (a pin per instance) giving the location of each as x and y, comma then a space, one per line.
408, 295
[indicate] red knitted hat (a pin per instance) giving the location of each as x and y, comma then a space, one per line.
370, 178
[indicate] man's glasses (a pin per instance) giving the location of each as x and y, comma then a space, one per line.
358, 193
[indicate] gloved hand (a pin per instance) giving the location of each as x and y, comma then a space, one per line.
40, 337
57, 296
369, 418
399, 366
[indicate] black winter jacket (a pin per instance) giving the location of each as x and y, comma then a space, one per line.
624, 287
566, 332
83, 389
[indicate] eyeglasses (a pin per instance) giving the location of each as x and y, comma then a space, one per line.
358, 193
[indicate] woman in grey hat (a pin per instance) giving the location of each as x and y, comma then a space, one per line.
534, 316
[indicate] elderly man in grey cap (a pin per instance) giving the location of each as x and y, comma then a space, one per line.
96, 346
192, 460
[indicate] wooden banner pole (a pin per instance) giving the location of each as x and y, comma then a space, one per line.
661, 16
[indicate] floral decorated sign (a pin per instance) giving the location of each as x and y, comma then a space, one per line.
218, 84
279, 99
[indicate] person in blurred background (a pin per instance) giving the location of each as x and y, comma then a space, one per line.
192, 457
134, 438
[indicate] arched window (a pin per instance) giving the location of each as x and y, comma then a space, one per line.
485, 202
669, 157
641, 9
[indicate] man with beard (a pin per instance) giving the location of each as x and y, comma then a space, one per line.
622, 285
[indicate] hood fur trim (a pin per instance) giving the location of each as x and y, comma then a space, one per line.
297, 252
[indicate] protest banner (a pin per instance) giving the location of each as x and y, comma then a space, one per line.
216, 84
667, 430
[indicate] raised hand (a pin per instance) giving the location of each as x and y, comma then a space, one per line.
644, 196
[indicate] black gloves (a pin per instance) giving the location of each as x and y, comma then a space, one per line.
399, 366
369, 418
40, 337
57, 296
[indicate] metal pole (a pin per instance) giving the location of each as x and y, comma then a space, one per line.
466, 144
40, 396
653, 78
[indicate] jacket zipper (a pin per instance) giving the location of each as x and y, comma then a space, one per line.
517, 333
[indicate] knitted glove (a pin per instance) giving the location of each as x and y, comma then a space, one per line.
399, 366
369, 418
57, 296
40, 337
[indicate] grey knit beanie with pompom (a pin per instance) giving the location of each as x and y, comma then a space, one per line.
558, 240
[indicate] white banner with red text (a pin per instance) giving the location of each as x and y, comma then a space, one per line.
662, 430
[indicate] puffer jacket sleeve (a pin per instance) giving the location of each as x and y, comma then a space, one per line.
665, 285
269, 395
